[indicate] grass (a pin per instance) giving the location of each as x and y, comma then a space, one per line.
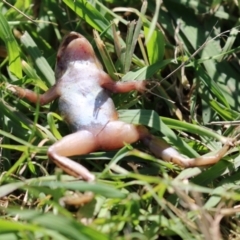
189, 54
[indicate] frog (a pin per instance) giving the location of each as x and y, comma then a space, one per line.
83, 90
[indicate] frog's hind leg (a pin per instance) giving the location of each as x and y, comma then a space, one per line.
78, 143
167, 153
116, 133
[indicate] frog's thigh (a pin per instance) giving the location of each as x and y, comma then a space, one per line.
81, 142
116, 133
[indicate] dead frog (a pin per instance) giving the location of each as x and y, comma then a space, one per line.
85, 103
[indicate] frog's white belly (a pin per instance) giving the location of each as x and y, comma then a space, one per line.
90, 111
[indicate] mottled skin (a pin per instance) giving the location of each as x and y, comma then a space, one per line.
84, 101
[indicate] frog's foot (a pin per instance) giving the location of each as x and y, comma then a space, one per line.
164, 151
84, 204
12, 88
77, 199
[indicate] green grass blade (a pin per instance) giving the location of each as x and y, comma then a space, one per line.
42, 65
12, 47
91, 15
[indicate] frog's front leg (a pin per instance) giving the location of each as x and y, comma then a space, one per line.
120, 87
78, 143
33, 97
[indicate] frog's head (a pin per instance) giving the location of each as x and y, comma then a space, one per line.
73, 48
